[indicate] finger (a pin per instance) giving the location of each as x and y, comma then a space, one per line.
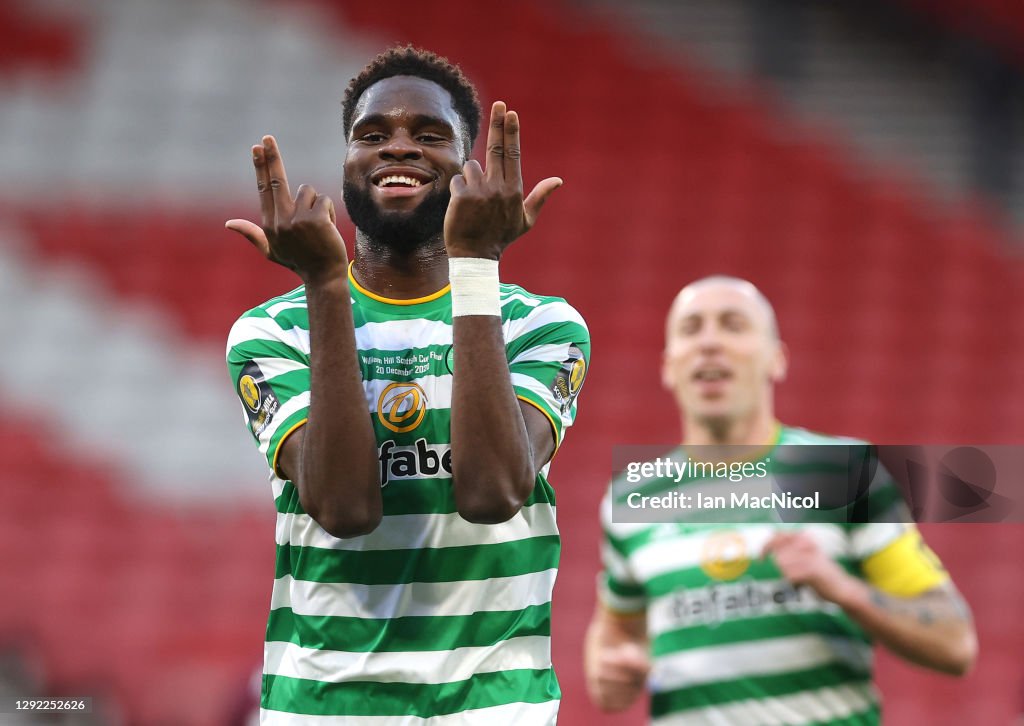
252, 232
323, 204
284, 207
496, 142
472, 173
305, 197
259, 160
539, 197
457, 185
513, 169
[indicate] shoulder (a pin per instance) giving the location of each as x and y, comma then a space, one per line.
281, 318
792, 435
526, 311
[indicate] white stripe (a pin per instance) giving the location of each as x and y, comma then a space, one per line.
295, 403
273, 367
510, 714
551, 352
267, 330
280, 307
416, 531
531, 384
403, 334
415, 598
556, 311
822, 704
436, 389
507, 297
876, 536
678, 552
616, 565
431, 666
763, 657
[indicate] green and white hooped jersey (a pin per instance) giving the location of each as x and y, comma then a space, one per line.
732, 642
429, 616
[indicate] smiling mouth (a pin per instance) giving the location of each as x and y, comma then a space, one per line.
397, 181
712, 374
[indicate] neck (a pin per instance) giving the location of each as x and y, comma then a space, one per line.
398, 274
759, 429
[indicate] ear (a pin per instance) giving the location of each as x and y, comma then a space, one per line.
666, 373
780, 363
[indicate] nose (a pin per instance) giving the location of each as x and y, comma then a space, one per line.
709, 338
400, 146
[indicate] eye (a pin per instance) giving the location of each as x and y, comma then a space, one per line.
735, 323
431, 138
690, 326
372, 137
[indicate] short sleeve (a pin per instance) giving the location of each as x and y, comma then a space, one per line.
269, 368
889, 549
548, 351
618, 587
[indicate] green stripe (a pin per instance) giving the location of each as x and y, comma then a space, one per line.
245, 351
443, 564
536, 400
551, 334
288, 385
293, 317
752, 629
368, 698
415, 496
411, 633
755, 688
623, 589
693, 577
284, 427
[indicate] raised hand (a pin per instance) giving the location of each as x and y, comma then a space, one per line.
802, 561
487, 211
298, 233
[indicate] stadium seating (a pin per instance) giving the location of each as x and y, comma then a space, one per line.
903, 328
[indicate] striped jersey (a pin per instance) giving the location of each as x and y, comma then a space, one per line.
429, 616
732, 641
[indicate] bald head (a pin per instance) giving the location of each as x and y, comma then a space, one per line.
723, 355
758, 306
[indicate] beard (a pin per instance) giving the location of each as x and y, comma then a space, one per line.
401, 232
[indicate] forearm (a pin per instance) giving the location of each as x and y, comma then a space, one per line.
339, 482
492, 460
933, 630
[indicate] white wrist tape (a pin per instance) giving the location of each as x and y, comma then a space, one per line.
474, 286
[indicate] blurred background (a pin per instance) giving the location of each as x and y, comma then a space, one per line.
863, 163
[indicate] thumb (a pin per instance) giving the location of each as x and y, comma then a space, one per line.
252, 232
536, 199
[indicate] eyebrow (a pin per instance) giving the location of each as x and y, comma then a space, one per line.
418, 120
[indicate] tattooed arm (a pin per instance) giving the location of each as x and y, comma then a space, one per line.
933, 629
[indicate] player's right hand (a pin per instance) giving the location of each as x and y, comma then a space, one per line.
619, 676
299, 233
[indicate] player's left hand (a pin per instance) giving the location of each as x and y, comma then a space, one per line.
803, 562
487, 211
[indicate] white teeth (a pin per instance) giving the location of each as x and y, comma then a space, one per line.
711, 375
405, 181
